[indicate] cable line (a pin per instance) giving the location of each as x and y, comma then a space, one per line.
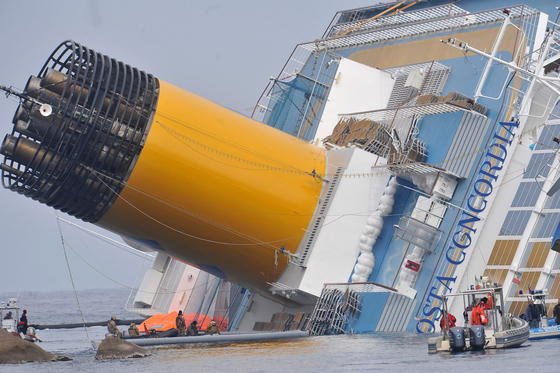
73, 282
112, 279
276, 250
128, 249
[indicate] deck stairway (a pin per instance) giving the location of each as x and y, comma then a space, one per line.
334, 311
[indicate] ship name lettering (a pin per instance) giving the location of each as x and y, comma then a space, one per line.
461, 240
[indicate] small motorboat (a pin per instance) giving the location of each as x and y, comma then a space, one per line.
501, 330
163, 325
9, 314
547, 327
221, 338
545, 332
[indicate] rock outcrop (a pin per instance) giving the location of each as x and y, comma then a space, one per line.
14, 350
117, 348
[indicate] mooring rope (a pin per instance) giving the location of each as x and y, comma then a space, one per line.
73, 282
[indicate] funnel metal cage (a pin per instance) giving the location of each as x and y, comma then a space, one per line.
78, 156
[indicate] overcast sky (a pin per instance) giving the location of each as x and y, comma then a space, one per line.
222, 50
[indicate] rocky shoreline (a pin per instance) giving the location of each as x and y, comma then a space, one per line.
14, 350
117, 348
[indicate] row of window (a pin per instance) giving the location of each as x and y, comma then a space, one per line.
516, 221
528, 192
539, 165
546, 139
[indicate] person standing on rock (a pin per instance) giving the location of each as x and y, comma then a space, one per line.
180, 323
112, 327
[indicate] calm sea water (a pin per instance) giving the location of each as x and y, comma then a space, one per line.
360, 353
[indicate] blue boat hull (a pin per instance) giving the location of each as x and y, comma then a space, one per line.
545, 333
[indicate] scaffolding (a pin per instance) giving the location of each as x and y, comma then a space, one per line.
339, 306
333, 311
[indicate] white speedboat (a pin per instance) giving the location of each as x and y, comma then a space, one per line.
500, 331
9, 314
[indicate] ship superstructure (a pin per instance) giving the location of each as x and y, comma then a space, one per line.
471, 157
407, 151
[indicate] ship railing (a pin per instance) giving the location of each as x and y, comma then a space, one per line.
395, 19
380, 144
552, 59
528, 62
319, 76
422, 27
354, 15
435, 76
554, 51
417, 233
528, 27
301, 53
387, 116
296, 61
298, 58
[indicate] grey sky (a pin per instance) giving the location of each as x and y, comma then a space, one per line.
222, 50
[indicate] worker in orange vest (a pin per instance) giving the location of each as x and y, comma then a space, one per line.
478, 314
489, 302
448, 321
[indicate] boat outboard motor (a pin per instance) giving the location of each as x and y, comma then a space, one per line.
477, 337
457, 339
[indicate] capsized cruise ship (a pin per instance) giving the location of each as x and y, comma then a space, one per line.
405, 152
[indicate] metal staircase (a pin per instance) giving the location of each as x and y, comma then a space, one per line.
334, 311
